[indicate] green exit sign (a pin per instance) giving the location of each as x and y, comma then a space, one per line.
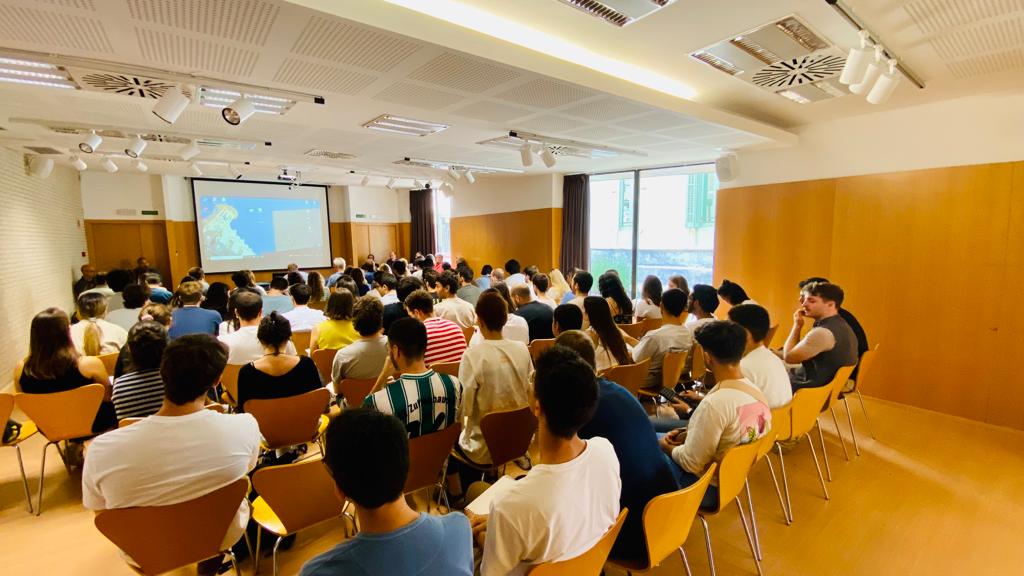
150, 212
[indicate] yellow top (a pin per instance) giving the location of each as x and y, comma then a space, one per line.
336, 334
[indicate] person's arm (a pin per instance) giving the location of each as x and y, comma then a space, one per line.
643, 349
629, 339
314, 335
467, 377
703, 435
816, 341
92, 368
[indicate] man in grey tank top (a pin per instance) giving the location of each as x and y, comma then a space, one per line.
829, 345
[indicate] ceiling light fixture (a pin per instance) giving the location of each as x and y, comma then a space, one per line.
454, 174
840, 7
874, 70
469, 177
91, 142
404, 126
391, 184
194, 169
547, 157
885, 85
78, 164
40, 167
857, 61
525, 143
140, 166
171, 105
444, 165
418, 184
109, 165
135, 148
526, 154
365, 181
35, 73
189, 151
238, 111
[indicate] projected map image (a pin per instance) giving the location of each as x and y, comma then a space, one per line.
240, 227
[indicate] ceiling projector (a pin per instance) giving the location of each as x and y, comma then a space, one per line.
286, 176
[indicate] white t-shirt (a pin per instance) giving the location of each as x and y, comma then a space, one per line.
515, 329
457, 310
245, 347
495, 376
543, 299
515, 280
112, 336
389, 298
165, 460
767, 371
656, 343
557, 512
644, 309
303, 318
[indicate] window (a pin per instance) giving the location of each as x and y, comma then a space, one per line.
442, 223
611, 225
625, 203
700, 200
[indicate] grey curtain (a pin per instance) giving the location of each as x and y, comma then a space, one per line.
421, 208
575, 222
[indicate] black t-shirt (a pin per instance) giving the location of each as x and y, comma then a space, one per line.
393, 312
256, 384
538, 318
858, 331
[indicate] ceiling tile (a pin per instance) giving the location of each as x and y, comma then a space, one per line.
349, 43
606, 109
546, 93
696, 130
243, 21
599, 133
462, 72
492, 111
321, 77
640, 140
550, 124
656, 121
53, 29
193, 54
418, 96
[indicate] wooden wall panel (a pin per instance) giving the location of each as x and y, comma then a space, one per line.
404, 240
494, 238
182, 248
383, 239
117, 243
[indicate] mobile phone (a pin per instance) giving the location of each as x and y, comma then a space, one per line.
668, 393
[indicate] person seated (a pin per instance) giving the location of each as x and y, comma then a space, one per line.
558, 287
571, 497
430, 277
497, 276
134, 297
276, 298
190, 318
566, 317
582, 282
339, 265
384, 286
610, 286
701, 305
197, 274
117, 280
216, 298
513, 275
368, 459
733, 294
451, 307
648, 305
357, 276
93, 335
760, 365
100, 286
672, 336
182, 452
858, 330
542, 286
515, 328
425, 401
317, 290
142, 268
733, 412
484, 281
301, 316
467, 291
829, 345
612, 346
243, 344
679, 282
644, 469
396, 310
157, 292
151, 312
140, 392
86, 281
538, 316
445, 340
336, 331
278, 373
364, 358
294, 268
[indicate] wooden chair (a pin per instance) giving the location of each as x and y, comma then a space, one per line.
162, 538
835, 389
292, 420
324, 360
428, 455
449, 368
667, 521
636, 329
764, 446
301, 342
61, 416
591, 562
866, 365
782, 431
732, 477
109, 362
771, 335
229, 381
629, 376
293, 497
697, 367
126, 422
507, 435
649, 324
320, 305
537, 347
805, 407
467, 332
354, 390
28, 428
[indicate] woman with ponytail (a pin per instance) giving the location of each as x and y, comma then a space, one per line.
92, 335
278, 373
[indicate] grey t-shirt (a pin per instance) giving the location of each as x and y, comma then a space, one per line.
361, 359
469, 293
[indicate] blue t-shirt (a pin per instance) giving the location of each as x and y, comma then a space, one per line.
281, 304
429, 546
193, 320
644, 469
567, 298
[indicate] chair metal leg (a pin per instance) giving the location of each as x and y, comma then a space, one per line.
853, 431
778, 492
824, 452
234, 562
256, 553
276, 544
839, 433
753, 520
785, 484
707, 543
867, 421
686, 563
42, 477
750, 541
24, 479
816, 466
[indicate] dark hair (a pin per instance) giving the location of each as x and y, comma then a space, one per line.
241, 279
566, 388
339, 305
652, 290
300, 293
530, 271
315, 281
580, 343
51, 353
399, 268
152, 278
706, 296
600, 315
610, 286
146, 342
583, 280
568, 316
196, 273
827, 292
247, 304
293, 278
430, 277
407, 286
674, 301
367, 455
274, 330
512, 267
752, 317
502, 289
135, 295
680, 283
723, 340
445, 266
450, 281
366, 266
812, 280
732, 293
466, 273
119, 279
192, 364
368, 315
386, 279
356, 274
486, 270
491, 310
540, 281
420, 301
216, 298
279, 283
410, 335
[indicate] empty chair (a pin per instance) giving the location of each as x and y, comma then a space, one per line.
162, 538
449, 368
835, 389
591, 562
28, 428
467, 332
866, 365
229, 381
324, 360
732, 477
672, 366
291, 420
781, 431
427, 457
354, 390
538, 346
301, 342
629, 376
697, 367
806, 406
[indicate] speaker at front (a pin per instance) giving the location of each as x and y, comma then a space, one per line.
727, 168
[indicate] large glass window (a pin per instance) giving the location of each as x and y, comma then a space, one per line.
442, 224
611, 225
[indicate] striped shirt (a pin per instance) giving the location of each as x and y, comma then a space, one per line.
445, 341
138, 394
425, 402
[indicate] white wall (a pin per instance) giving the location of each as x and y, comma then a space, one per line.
494, 194
973, 130
178, 203
376, 204
103, 194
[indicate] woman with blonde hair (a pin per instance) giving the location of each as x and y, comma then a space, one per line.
558, 286
92, 335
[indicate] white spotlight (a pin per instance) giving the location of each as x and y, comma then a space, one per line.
548, 157
39, 166
194, 169
885, 85
418, 184
469, 177
109, 165
238, 111
140, 165
91, 143
135, 147
454, 174
171, 105
78, 163
527, 155
873, 72
391, 184
365, 181
857, 61
189, 151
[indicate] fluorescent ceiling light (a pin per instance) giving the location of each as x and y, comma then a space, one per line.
484, 22
443, 165
263, 103
789, 94
27, 63
33, 73
405, 126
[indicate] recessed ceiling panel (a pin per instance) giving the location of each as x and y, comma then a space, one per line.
193, 54
492, 111
243, 21
606, 109
461, 72
53, 28
547, 93
348, 43
418, 96
321, 77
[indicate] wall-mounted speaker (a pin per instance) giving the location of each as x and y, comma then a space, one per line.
727, 168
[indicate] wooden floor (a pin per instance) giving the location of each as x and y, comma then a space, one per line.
932, 495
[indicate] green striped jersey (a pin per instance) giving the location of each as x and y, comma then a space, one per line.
425, 402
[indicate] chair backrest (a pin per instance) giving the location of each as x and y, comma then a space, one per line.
427, 455
770, 335
697, 367
866, 365
354, 390
300, 494
733, 470
229, 381
508, 434
667, 518
538, 346
837, 384
672, 367
63, 415
126, 422
292, 420
629, 376
650, 324
320, 305
806, 406
636, 329
162, 538
591, 562
6, 406
782, 425
109, 362
467, 332
324, 360
449, 368
301, 342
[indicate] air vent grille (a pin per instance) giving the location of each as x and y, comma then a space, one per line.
799, 71
601, 11
801, 34
717, 63
328, 154
618, 12
754, 49
43, 150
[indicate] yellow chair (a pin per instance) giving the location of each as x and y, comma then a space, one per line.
293, 497
732, 477
629, 376
782, 431
649, 324
635, 330
428, 455
539, 346
61, 416
354, 390
467, 332
449, 368
28, 428
324, 360
667, 521
591, 562
866, 365
507, 435
835, 389
109, 362
320, 305
126, 422
780, 424
301, 342
291, 420
805, 407
697, 367
672, 366
229, 382
162, 538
